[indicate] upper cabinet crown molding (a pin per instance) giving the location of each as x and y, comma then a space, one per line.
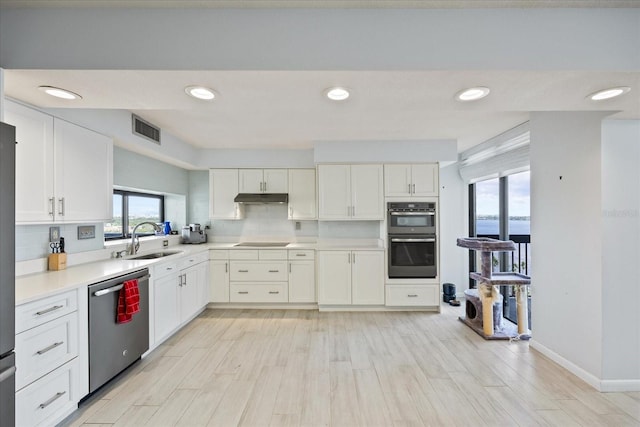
64, 172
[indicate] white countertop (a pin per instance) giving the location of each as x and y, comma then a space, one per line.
38, 285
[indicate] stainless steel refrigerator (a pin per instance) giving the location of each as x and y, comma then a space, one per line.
7, 274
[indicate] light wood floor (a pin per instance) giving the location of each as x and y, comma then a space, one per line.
297, 367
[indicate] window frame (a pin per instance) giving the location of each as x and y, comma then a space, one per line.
125, 212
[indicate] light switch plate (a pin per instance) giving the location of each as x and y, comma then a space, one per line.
54, 234
86, 232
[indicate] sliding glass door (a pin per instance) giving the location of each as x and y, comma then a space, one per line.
499, 209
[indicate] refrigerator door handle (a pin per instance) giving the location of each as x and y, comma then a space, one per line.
7, 373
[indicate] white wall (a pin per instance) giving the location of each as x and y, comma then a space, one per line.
566, 237
385, 151
621, 249
454, 261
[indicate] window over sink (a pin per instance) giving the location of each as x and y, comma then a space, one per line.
131, 208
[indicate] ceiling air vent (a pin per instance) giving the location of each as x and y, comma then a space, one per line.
145, 129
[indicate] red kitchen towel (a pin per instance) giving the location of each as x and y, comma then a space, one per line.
128, 301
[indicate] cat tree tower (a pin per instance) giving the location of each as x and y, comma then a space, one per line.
488, 283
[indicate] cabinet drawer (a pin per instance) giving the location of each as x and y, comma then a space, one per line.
50, 399
41, 350
190, 260
243, 254
301, 254
412, 296
265, 292
218, 254
274, 254
38, 312
165, 269
256, 271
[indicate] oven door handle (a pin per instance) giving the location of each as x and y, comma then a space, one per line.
413, 240
411, 213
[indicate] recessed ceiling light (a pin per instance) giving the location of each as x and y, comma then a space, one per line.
473, 93
200, 92
337, 93
59, 93
609, 93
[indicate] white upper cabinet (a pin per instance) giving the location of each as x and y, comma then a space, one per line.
302, 194
64, 172
223, 188
83, 173
263, 181
34, 163
350, 192
411, 180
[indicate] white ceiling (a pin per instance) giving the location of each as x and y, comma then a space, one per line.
386, 4
265, 66
287, 109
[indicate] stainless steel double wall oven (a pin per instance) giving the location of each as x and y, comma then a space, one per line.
412, 239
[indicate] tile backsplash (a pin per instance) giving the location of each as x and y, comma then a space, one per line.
32, 241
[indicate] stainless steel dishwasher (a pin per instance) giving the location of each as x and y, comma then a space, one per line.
115, 346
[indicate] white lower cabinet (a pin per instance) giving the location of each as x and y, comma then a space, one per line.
302, 278
413, 295
50, 399
47, 372
219, 275
259, 292
351, 277
180, 292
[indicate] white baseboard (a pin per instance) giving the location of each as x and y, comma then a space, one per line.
619, 386
595, 382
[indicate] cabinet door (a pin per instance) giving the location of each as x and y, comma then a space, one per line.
204, 289
397, 180
334, 191
302, 194
368, 277
189, 293
276, 181
425, 179
83, 163
302, 281
34, 163
334, 277
166, 306
223, 188
250, 181
366, 192
219, 276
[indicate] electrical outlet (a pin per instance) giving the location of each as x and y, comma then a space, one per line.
165, 243
86, 232
54, 234
298, 225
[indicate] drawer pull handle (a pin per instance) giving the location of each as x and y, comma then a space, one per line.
412, 296
49, 310
51, 347
274, 292
169, 268
243, 292
274, 271
243, 271
301, 254
57, 396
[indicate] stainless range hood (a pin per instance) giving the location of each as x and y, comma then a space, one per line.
260, 198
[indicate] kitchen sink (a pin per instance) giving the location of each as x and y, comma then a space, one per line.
155, 255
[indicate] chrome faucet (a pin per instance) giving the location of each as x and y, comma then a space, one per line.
135, 245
